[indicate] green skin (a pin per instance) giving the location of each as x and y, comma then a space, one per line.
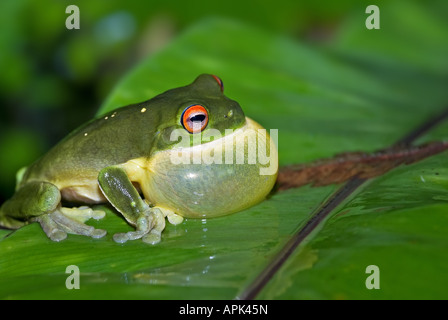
107, 161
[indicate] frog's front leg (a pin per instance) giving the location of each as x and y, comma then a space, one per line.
121, 193
40, 201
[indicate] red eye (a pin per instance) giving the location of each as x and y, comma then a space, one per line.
219, 82
194, 118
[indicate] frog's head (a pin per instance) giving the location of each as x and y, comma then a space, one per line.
200, 107
226, 171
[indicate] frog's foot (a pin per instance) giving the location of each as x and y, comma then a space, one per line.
149, 226
57, 224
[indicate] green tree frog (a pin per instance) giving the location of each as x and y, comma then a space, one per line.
143, 160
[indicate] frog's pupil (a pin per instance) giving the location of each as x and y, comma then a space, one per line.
198, 118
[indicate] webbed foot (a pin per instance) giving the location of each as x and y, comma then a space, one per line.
149, 226
62, 221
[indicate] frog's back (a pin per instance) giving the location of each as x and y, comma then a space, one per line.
114, 138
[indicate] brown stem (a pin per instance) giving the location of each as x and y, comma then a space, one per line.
354, 164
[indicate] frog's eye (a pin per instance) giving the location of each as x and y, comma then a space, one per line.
219, 82
194, 118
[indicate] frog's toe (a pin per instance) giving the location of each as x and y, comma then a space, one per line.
120, 237
143, 226
51, 228
74, 226
82, 214
173, 218
131, 235
98, 233
56, 225
98, 214
58, 235
153, 237
71, 225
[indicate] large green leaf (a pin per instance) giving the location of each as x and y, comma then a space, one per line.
322, 101
398, 222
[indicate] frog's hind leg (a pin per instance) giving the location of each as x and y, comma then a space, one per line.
41, 202
31, 200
